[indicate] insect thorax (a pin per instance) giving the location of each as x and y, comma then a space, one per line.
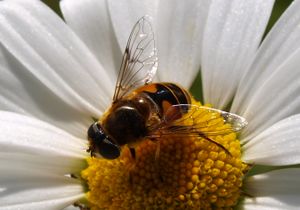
127, 121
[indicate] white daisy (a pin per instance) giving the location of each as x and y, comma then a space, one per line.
55, 78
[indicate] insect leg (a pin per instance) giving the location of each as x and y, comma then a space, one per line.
132, 152
156, 159
81, 206
214, 142
157, 151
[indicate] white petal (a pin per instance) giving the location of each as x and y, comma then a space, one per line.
22, 93
54, 55
269, 91
58, 203
278, 190
71, 208
90, 20
232, 35
270, 203
124, 14
277, 145
47, 194
179, 30
275, 99
35, 158
25, 135
15, 162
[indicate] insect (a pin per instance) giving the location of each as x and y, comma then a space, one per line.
141, 109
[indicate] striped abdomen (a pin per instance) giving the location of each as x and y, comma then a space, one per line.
164, 95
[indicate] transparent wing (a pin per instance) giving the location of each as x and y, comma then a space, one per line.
186, 119
198, 121
139, 63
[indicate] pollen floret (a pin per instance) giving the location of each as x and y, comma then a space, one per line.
189, 173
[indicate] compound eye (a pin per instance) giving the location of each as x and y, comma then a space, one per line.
91, 131
95, 132
109, 150
101, 144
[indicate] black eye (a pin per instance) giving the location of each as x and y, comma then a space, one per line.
101, 143
95, 132
91, 132
109, 150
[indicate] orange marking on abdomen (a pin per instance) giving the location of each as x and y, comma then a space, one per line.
166, 106
151, 88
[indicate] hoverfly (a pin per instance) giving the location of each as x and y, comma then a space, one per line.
144, 110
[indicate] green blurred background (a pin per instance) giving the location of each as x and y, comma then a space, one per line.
279, 7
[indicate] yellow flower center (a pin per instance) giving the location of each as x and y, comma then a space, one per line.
189, 173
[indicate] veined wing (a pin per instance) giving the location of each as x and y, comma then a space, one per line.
139, 63
198, 121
